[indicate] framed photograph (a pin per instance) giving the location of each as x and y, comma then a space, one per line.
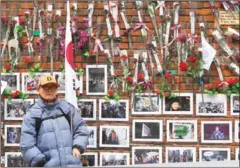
92, 140
96, 76
235, 104
114, 111
29, 83
237, 131
146, 104
15, 109
146, 155
147, 130
114, 159
60, 78
214, 154
216, 131
207, 105
14, 159
180, 154
237, 154
182, 104
182, 130
87, 108
89, 159
12, 135
114, 136
12, 79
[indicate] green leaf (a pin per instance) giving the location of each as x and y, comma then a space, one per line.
86, 54
106, 98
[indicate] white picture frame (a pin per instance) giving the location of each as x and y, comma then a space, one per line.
153, 153
207, 105
179, 153
237, 154
235, 105
96, 79
114, 111
114, 136
12, 135
88, 109
12, 79
15, 109
17, 156
181, 105
215, 132
92, 139
146, 104
237, 131
149, 131
214, 154
114, 157
30, 84
60, 79
86, 156
173, 134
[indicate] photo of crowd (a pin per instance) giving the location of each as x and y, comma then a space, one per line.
113, 110
180, 155
214, 155
14, 159
87, 109
146, 156
146, 104
13, 81
114, 159
210, 107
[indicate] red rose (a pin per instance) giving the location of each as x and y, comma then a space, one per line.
21, 20
77, 66
209, 86
29, 88
15, 94
157, 92
167, 75
181, 38
140, 76
192, 59
8, 67
124, 57
183, 66
41, 13
91, 52
27, 59
232, 81
129, 79
219, 85
4, 19
166, 94
110, 93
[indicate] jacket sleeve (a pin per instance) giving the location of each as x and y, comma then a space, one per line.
31, 154
80, 132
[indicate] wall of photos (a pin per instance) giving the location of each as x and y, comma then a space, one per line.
147, 55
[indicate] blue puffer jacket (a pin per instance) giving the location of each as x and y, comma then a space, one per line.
54, 143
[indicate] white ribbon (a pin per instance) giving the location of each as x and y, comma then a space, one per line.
106, 51
90, 14
234, 67
97, 44
106, 9
161, 5
136, 57
114, 11
155, 54
146, 77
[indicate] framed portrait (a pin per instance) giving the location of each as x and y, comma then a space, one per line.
96, 76
114, 159
182, 130
15, 109
237, 131
89, 159
207, 105
14, 159
214, 154
114, 136
146, 104
180, 154
114, 111
147, 130
182, 104
12, 79
92, 140
12, 135
146, 155
216, 131
235, 104
237, 154
29, 83
60, 78
87, 109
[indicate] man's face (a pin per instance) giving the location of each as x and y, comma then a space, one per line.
48, 91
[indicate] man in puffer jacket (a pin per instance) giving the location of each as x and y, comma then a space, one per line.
60, 137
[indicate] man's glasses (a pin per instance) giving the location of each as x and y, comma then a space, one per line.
49, 87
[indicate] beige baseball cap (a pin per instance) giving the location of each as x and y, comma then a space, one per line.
46, 79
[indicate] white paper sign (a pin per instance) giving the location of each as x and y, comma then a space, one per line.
208, 53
